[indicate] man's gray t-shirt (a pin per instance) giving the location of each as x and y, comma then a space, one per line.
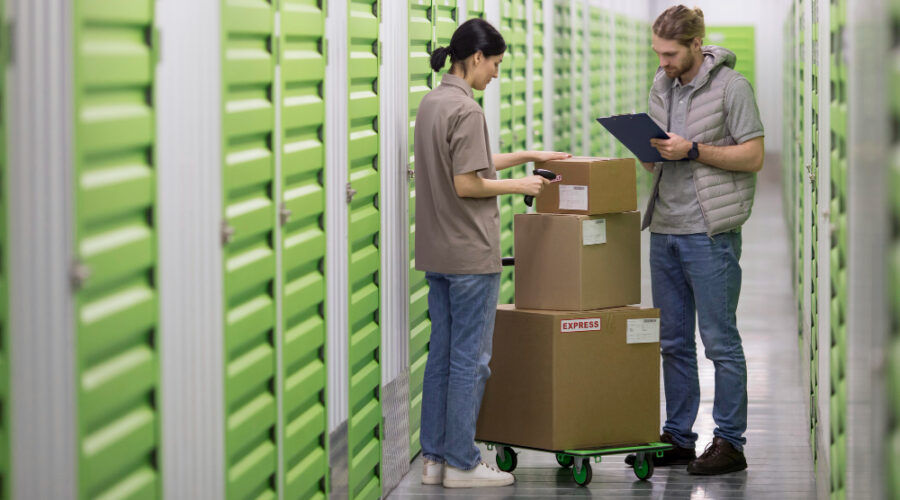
677, 209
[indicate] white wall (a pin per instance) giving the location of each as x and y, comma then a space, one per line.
767, 16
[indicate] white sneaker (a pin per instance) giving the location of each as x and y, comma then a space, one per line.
432, 472
482, 475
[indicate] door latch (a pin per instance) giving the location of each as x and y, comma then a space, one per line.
79, 274
284, 214
227, 233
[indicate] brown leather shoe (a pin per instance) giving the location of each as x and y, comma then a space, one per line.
675, 456
720, 457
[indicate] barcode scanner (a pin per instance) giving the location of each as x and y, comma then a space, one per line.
546, 174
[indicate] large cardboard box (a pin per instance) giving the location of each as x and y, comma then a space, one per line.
577, 262
573, 380
590, 186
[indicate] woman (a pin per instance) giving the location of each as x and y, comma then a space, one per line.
458, 246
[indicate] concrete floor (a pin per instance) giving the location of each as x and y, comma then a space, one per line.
778, 450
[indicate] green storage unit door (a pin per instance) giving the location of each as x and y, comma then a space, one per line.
302, 216
789, 135
624, 76
475, 8
118, 428
506, 145
421, 78
248, 72
512, 125
601, 91
506, 79
649, 63
364, 419
562, 114
507, 84
518, 45
813, 240
893, 383
446, 20
577, 119
537, 40
742, 41
4, 295
838, 258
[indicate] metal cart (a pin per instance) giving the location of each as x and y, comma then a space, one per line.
580, 460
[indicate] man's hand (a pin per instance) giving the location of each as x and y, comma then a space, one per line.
649, 166
674, 148
540, 156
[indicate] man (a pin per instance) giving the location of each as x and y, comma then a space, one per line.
701, 196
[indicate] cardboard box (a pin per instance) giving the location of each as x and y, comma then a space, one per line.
590, 186
577, 262
573, 380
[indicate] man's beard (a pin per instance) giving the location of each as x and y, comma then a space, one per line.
688, 64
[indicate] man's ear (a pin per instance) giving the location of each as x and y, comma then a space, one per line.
697, 43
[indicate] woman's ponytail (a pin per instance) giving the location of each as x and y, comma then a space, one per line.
470, 37
439, 57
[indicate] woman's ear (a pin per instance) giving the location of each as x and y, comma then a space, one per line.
478, 57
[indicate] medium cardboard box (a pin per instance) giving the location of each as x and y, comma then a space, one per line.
572, 380
577, 262
590, 186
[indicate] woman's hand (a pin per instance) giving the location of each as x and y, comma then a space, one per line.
541, 156
532, 185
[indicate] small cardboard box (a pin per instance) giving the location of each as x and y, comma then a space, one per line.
590, 186
572, 380
577, 262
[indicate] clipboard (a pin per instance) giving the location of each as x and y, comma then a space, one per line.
634, 132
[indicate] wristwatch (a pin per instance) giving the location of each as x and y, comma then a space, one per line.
694, 153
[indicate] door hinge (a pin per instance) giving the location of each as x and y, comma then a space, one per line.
350, 193
410, 174
284, 214
78, 275
227, 233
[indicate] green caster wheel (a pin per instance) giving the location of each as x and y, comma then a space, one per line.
583, 475
564, 460
507, 459
643, 466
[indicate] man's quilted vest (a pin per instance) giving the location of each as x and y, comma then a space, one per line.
726, 197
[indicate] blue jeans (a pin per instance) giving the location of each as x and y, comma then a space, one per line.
690, 274
462, 309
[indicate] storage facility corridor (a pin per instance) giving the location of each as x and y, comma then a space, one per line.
778, 455
208, 281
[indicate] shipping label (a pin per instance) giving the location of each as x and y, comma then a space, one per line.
642, 331
579, 325
593, 232
572, 197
